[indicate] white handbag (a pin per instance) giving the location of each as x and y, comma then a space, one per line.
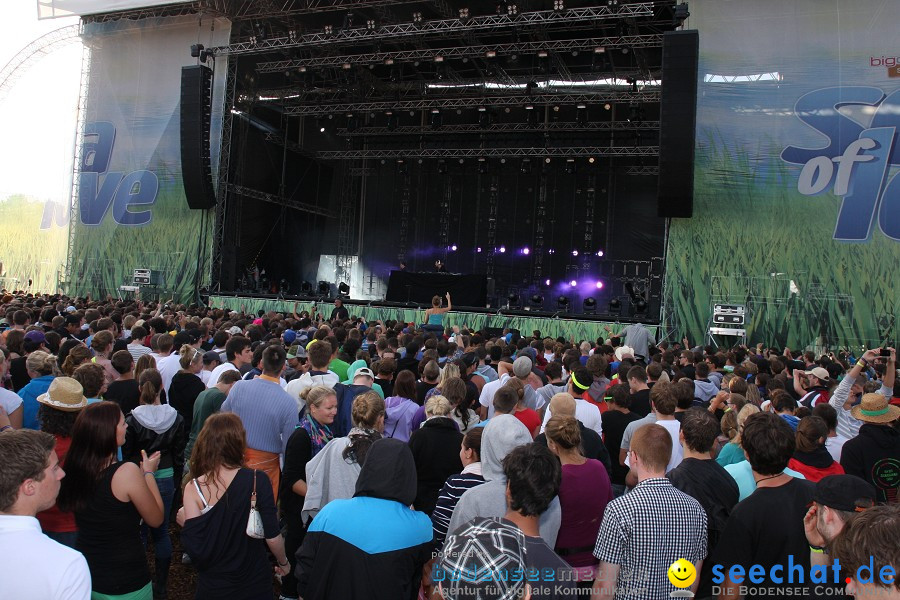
254, 523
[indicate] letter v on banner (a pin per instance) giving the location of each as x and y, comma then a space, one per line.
861, 204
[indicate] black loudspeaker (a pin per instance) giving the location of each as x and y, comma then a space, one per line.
677, 123
196, 114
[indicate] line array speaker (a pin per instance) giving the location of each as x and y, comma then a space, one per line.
196, 114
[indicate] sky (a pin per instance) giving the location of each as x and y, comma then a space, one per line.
39, 113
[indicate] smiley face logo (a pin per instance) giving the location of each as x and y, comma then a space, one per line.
682, 573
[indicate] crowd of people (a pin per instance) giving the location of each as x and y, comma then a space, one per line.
340, 458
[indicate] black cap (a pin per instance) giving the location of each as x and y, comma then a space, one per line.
844, 492
210, 356
469, 358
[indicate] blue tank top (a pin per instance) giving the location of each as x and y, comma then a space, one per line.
436, 319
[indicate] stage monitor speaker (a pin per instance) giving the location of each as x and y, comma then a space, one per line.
677, 123
196, 114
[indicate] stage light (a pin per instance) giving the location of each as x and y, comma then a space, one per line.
592, 160
612, 3
542, 54
196, 49
562, 302
343, 289
551, 251
599, 50
681, 13
329, 29
512, 10
346, 66
490, 54
484, 117
370, 24
570, 166
439, 58
512, 300
352, 122
574, 252
573, 283
536, 301
502, 249
547, 160
600, 253
324, 288
478, 249
589, 305
436, 120
306, 287
559, 5
417, 17
389, 61
607, 106
463, 13
641, 306
599, 285
615, 306
547, 282
453, 248
442, 167
581, 115
321, 130
526, 166
526, 251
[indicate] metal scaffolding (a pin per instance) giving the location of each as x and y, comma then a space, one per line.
219, 224
504, 49
500, 128
474, 102
581, 18
585, 151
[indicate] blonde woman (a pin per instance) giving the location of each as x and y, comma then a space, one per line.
732, 452
186, 383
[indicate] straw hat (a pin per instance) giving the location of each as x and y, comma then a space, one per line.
65, 394
874, 408
623, 351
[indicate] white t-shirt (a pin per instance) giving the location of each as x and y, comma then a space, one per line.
215, 373
168, 366
673, 426
34, 567
835, 445
587, 413
9, 400
486, 398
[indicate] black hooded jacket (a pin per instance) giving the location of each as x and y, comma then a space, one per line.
372, 545
874, 455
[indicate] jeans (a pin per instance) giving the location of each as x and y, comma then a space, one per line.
162, 544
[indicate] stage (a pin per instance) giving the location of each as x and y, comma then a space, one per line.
569, 326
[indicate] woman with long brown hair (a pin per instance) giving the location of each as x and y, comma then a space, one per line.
109, 499
230, 563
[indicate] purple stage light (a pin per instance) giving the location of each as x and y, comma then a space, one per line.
552, 251
478, 249
599, 285
573, 283
600, 253
525, 251
574, 252
453, 247
502, 249
547, 282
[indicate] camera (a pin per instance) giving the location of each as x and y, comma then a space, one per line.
885, 352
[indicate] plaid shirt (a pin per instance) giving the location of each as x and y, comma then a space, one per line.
644, 532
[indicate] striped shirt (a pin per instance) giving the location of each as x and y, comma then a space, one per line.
454, 488
137, 350
268, 413
644, 532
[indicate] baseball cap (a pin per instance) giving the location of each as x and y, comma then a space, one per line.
522, 366
469, 358
36, 336
235, 330
296, 351
818, 372
364, 371
210, 356
844, 492
484, 558
289, 336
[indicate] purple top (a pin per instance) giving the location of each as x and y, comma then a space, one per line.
400, 412
583, 495
418, 418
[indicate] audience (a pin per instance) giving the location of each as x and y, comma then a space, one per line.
549, 505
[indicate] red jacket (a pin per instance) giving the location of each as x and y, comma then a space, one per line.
815, 465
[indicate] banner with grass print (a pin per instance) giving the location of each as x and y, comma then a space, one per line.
797, 194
